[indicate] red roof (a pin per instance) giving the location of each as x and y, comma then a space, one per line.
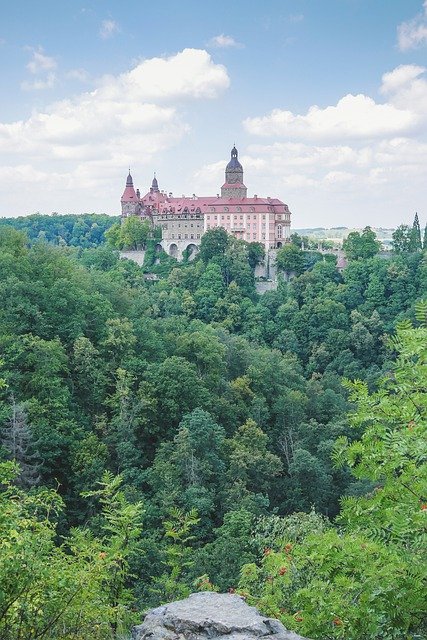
129, 195
206, 203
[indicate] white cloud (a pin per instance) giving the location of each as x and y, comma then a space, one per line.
224, 42
108, 29
40, 62
360, 159
413, 34
374, 183
406, 88
81, 75
87, 140
43, 67
40, 84
356, 117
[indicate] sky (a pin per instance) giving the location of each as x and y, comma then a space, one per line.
326, 101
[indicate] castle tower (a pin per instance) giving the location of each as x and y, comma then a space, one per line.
129, 199
233, 186
154, 185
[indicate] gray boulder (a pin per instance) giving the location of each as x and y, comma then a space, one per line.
210, 616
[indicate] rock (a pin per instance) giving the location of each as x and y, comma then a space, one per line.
210, 616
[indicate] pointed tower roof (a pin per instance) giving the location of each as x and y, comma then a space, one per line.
234, 162
154, 184
129, 194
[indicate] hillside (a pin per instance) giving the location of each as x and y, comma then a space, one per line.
185, 434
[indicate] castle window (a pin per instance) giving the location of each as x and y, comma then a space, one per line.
226, 209
279, 231
212, 208
239, 208
252, 209
186, 236
198, 236
179, 236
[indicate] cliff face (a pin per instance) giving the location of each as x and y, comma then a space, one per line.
210, 616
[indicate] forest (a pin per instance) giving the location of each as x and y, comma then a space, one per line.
163, 436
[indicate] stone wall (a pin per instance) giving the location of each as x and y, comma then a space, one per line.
136, 256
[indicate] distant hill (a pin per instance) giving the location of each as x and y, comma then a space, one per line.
85, 230
337, 234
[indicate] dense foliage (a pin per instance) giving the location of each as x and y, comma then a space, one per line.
219, 410
368, 578
86, 230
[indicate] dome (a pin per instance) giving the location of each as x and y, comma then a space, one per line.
129, 181
234, 162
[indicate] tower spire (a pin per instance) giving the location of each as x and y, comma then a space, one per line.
154, 185
234, 187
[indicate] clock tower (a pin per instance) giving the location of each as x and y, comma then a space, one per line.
234, 187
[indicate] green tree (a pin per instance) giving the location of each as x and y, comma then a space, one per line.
256, 254
121, 525
367, 579
134, 232
290, 258
173, 583
252, 467
416, 243
74, 590
402, 239
361, 245
213, 244
113, 235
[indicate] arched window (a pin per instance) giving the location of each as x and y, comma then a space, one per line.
279, 231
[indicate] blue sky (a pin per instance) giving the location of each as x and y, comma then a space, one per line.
325, 99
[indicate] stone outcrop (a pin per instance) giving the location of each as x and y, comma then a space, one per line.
210, 616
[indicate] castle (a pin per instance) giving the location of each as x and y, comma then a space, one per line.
184, 220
